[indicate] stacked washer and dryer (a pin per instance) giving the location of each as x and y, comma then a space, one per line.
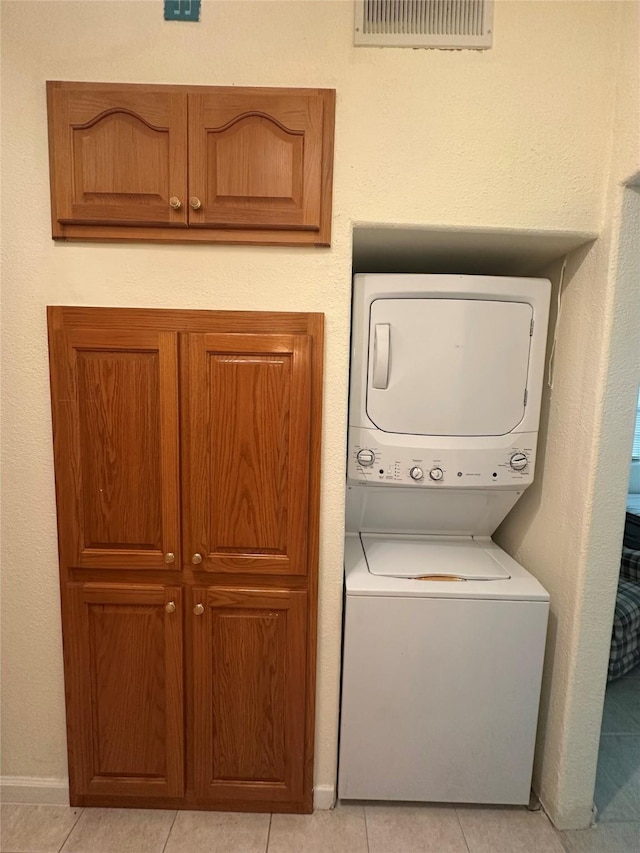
444, 632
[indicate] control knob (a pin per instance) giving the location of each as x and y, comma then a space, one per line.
436, 474
365, 458
518, 461
416, 473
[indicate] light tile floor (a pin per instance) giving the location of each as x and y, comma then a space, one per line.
617, 793
346, 829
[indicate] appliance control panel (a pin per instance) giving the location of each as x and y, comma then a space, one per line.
372, 462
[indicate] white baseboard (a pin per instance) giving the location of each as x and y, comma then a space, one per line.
34, 789
324, 797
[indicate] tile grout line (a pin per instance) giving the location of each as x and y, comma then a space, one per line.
75, 823
366, 828
175, 818
464, 837
266, 849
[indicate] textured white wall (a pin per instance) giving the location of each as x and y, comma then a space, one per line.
519, 136
568, 527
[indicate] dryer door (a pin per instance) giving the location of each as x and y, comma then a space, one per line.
449, 367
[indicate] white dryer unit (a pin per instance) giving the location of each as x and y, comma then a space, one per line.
444, 632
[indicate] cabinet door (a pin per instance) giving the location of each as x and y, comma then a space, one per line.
247, 453
115, 419
255, 158
249, 651
118, 154
123, 649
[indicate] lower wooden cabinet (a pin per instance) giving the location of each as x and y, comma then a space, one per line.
187, 449
245, 663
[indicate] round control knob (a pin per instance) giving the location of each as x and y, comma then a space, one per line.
519, 461
416, 473
436, 474
366, 458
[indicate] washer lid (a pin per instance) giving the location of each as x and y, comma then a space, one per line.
422, 557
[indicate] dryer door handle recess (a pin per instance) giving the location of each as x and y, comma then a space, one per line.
381, 355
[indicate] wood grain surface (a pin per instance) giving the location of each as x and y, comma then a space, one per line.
248, 402
117, 155
259, 161
256, 160
238, 396
250, 693
116, 440
124, 665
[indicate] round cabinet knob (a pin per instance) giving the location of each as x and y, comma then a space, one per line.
170, 607
366, 458
196, 559
519, 461
198, 609
169, 557
416, 473
436, 474
195, 202
175, 202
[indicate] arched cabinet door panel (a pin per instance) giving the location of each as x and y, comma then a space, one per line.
118, 155
255, 159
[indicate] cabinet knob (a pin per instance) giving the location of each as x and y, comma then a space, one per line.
169, 557
195, 202
196, 559
170, 607
175, 202
198, 609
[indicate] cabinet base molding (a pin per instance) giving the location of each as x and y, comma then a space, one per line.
36, 790
190, 804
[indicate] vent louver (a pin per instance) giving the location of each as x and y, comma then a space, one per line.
453, 24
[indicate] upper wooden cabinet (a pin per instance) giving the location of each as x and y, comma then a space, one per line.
185, 163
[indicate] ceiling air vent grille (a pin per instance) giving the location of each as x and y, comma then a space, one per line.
452, 24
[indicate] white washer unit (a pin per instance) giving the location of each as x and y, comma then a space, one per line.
444, 632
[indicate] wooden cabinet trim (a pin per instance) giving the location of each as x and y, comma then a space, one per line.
185, 320
184, 88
